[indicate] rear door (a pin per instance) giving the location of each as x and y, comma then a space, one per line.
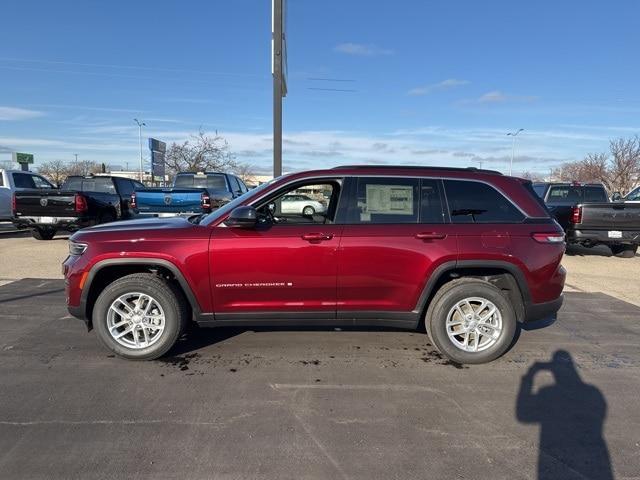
394, 237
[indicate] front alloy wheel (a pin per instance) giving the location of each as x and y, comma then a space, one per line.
135, 320
140, 316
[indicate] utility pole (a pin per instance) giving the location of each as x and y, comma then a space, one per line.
279, 88
140, 125
513, 135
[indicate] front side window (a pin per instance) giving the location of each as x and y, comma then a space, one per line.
476, 202
287, 207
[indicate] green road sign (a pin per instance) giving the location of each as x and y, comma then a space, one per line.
22, 157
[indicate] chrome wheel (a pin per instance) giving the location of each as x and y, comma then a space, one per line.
135, 320
474, 324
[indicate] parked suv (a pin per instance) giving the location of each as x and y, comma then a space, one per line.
466, 254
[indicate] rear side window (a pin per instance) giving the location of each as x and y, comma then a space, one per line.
595, 194
23, 180
385, 200
475, 202
40, 182
634, 196
125, 186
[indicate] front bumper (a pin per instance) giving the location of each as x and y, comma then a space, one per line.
602, 236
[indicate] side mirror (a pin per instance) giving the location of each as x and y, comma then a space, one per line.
616, 197
242, 217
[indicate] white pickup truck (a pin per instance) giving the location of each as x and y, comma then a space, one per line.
14, 181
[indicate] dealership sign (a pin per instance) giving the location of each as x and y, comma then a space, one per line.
22, 157
158, 150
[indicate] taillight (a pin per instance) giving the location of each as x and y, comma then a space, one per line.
205, 201
81, 204
133, 200
14, 206
551, 237
576, 215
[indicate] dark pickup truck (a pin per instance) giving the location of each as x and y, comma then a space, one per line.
80, 202
192, 193
589, 218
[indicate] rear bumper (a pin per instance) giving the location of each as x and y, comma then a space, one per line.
602, 236
62, 223
539, 311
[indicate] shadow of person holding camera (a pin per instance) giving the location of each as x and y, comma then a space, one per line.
571, 415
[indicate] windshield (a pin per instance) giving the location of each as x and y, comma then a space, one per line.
216, 214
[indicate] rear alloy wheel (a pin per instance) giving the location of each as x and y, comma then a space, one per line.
43, 233
471, 321
624, 251
139, 316
308, 211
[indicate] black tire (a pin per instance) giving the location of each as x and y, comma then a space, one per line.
308, 211
445, 299
624, 251
43, 233
167, 295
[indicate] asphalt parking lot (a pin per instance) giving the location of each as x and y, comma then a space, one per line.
319, 403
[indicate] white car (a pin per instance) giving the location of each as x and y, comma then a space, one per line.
301, 204
633, 196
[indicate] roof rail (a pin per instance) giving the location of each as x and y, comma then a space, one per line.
420, 167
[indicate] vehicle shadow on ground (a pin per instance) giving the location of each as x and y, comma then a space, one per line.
571, 415
196, 338
598, 251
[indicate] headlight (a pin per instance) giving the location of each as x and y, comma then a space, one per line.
76, 248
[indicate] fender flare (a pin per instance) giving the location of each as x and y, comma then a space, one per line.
145, 261
443, 269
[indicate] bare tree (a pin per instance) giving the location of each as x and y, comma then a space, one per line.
246, 172
201, 153
84, 167
55, 170
7, 165
625, 164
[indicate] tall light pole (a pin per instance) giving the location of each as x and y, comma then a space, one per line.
140, 125
513, 135
279, 72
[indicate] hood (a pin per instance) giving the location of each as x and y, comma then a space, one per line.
146, 224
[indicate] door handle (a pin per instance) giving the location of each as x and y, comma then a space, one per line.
317, 237
430, 236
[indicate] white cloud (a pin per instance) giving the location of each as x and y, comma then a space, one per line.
443, 85
497, 97
13, 113
362, 50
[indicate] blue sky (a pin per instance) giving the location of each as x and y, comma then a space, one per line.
412, 82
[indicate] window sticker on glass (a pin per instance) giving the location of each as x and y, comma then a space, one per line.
389, 199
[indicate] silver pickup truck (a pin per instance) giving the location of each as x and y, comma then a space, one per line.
15, 181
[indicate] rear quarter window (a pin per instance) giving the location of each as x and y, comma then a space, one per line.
476, 202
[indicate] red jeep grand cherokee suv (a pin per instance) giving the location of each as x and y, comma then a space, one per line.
464, 253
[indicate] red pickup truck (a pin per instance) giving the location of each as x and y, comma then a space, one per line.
466, 254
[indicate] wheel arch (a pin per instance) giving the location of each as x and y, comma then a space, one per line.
504, 275
106, 271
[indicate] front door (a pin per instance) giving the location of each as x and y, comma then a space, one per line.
283, 268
